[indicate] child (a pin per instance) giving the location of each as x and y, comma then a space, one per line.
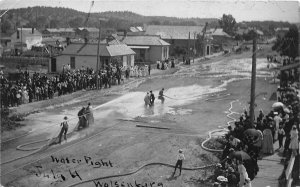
281, 134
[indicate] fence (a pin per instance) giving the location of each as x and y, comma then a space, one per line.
288, 172
292, 168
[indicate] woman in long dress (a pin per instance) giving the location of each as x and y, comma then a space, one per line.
267, 144
294, 144
244, 179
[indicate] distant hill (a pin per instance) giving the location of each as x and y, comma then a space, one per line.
49, 17
55, 17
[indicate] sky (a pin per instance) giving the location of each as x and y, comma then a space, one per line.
241, 10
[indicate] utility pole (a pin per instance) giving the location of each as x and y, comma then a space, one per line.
253, 79
98, 57
189, 45
194, 47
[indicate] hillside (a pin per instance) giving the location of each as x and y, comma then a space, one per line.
48, 17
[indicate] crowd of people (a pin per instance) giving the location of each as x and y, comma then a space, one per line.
29, 88
138, 71
246, 143
166, 64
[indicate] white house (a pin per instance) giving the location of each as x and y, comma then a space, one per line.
85, 54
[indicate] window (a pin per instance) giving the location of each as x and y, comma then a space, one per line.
165, 52
142, 54
72, 62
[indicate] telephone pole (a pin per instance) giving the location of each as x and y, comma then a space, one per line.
194, 47
98, 55
253, 79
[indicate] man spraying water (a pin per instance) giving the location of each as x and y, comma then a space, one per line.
161, 95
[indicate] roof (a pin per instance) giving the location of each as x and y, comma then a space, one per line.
173, 32
133, 29
219, 32
61, 30
259, 32
245, 31
90, 29
140, 28
79, 49
282, 29
28, 31
143, 40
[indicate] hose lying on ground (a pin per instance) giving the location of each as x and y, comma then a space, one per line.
220, 130
51, 141
137, 170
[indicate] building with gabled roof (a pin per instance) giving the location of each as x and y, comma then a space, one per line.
172, 32
85, 54
218, 32
25, 38
180, 38
87, 32
148, 48
63, 32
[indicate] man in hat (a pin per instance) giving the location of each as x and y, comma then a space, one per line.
161, 95
152, 98
180, 158
64, 129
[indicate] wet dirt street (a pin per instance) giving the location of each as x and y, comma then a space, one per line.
119, 142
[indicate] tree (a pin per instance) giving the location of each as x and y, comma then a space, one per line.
250, 35
42, 21
227, 22
76, 22
154, 22
6, 26
289, 44
54, 23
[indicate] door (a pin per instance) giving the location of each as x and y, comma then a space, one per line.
207, 50
124, 60
53, 64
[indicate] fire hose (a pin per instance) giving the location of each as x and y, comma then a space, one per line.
37, 149
140, 168
220, 130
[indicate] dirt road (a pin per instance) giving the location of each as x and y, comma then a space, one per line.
199, 96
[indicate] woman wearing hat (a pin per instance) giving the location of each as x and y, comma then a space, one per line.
294, 144
64, 129
180, 158
244, 179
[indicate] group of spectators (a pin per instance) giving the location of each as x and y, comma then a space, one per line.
137, 71
245, 143
166, 64
29, 88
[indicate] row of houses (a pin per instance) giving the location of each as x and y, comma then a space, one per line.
137, 45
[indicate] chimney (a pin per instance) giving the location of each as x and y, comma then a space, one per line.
32, 30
